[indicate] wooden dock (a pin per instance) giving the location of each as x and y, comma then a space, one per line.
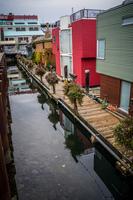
91, 113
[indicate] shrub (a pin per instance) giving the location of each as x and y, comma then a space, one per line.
124, 132
48, 64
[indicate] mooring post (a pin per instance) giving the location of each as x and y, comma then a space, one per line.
87, 80
4, 183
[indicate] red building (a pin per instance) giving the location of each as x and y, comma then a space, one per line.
74, 46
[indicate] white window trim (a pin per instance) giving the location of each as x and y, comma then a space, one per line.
101, 58
125, 24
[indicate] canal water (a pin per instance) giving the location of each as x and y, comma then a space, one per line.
53, 157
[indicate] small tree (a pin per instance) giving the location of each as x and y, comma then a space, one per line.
40, 71
75, 94
52, 79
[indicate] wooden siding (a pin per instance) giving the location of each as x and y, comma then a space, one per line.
111, 87
118, 60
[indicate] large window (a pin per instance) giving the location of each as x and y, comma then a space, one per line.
127, 21
66, 41
101, 49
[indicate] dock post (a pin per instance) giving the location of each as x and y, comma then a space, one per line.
87, 80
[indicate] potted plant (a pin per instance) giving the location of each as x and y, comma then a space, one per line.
52, 79
40, 71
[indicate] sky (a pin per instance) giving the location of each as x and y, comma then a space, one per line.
50, 11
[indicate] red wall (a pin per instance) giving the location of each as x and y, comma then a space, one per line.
55, 51
14, 17
90, 64
84, 50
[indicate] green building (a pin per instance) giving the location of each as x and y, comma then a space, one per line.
115, 55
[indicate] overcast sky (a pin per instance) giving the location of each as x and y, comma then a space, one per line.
52, 10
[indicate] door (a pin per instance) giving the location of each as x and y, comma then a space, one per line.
125, 95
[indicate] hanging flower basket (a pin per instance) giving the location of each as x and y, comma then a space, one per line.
40, 71
52, 79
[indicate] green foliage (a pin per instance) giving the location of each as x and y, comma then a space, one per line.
48, 54
38, 57
104, 104
33, 55
124, 132
33, 45
74, 92
48, 64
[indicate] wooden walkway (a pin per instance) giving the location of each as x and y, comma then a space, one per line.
102, 121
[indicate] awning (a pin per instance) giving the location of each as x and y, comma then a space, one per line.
7, 42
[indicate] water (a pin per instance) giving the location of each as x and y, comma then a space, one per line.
53, 156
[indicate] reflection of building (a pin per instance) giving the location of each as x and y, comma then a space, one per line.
74, 46
117, 186
114, 57
70, 129
16, 82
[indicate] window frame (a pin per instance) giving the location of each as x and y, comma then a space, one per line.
98, 57
127, 23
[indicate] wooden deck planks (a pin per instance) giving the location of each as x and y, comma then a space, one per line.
92, 113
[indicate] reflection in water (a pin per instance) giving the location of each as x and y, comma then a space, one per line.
42, 99
45, 168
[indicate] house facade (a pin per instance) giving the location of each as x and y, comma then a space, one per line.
114, 55
20, 28
74, 46
44, 46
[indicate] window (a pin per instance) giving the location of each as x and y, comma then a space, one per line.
127, 21
33, 29
100, 49
32, 22
20, 29
19, 23
9, 28
11, 39
70, 41
66, 41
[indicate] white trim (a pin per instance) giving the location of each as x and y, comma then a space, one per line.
101, 58
123, 110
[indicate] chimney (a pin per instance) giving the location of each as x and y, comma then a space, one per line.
47, 26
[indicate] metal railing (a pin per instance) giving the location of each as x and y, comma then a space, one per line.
84, 13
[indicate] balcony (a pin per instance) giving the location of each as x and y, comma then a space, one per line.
85, 13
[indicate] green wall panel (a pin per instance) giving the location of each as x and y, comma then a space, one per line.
118, 60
